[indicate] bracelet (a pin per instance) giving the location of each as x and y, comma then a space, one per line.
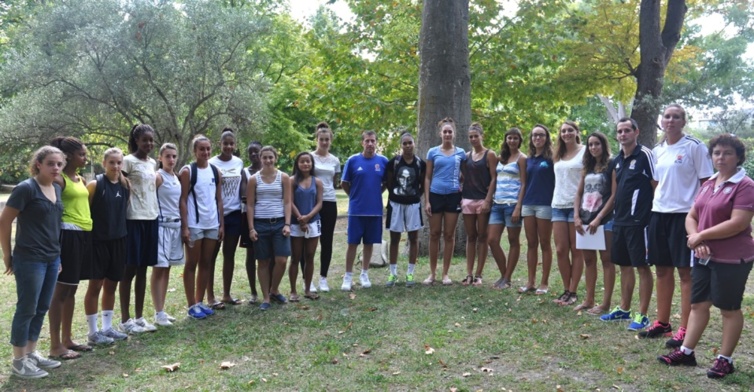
287, 224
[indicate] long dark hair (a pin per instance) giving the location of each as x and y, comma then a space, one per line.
136, 132
546, 149
297, 171
597, 165
562, 150
68, 144
505, 150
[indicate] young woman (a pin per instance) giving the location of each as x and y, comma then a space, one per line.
536, 210
306, 229
108, 199
36, 206
719, 229
442, 195
254, 166
75, 248
268, 205
568, 166
476, 202
202, 227
326, 168
142, 226
231, 167
510, 187
593, 207
683, 164
170, 250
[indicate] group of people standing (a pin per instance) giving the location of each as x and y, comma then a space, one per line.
662, 207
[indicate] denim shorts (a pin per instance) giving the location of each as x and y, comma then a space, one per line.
540, 212
197, 234
503, 213
271, 242
35, 283
562, 215
609, 225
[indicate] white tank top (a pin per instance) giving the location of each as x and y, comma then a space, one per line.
269, 203
168, 195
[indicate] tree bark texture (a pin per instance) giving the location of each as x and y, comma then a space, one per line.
657, 48
444, 83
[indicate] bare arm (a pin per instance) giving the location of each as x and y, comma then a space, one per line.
577, 223
491, 166
738, 222
183, 177
516, 217
251, 200
219, 203
92, 188
427, 184
7, 217
346, 187
286, 204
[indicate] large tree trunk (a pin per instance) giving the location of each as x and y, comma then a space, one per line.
656, 50
444, 82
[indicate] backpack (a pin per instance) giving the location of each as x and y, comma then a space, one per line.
192, 177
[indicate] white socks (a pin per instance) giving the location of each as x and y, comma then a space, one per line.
410, 270
91, 321
393, 269
107, 319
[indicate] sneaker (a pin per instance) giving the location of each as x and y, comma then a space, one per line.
195, 312
130, 327
677, 340
169, 317
278, 298
99, 339
27, 368
323, 287
410, 282
114, 334
43, 362
677, 357
720, 369
656, 330
391, 279
312, 289
142, 322
617, 314
364, 280
639, 322
161, 319
205, 309
265, 306
347, 283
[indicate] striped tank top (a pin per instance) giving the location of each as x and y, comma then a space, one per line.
269, 203
508, 182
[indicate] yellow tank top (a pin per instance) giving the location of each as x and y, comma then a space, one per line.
75, 199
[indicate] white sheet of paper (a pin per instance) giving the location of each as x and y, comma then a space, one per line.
588, 241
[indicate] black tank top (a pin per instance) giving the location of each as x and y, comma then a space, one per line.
108, 210
476, 178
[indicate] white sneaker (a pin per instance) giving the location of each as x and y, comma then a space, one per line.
364, 280
43, 362
169, 317
114, 334
142, 322
347, 283
130, 327
162, 320
99, 339
312, 289
323, 287
26, 368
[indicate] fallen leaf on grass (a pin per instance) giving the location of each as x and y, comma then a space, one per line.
453, 389
428, 350
715, 350
396, 373
585, 336
264, 379
274, 374
373, 309
125, 375
250, 382
466, 374
365, 353
578, 313
225, 365
168, 368
334, 361
486, 370
352, 295
619, 370
171, 290
443, 364
558, 388
475, 310
457, 324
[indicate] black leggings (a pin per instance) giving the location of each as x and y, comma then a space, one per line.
328, 215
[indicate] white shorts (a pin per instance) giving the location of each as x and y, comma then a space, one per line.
170, 245
314, 230
404, 217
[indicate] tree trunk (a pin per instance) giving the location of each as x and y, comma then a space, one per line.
444, 83
656, 50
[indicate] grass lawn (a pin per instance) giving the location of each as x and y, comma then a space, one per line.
424, 338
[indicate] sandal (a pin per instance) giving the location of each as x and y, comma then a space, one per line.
563, 297
583, 306
293, 298
596, 311
525, 289
541, 291
217, 306
82, 348
467, 280
446, 281
312, 296
68, 355
477, 281
572, 298
501, 283
233, 301
253, 300
429, 281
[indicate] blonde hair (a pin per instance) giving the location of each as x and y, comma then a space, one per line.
39, 157
121, 178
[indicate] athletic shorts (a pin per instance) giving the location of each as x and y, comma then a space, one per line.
539, 212
721, 283
271, 242
232, 223
366, 228
75, 256
503, 213
563, 215
141, 242
404, 217
196, 234
445, 203
109, 258
667, 240
471, 206
170, 249
629, 246
314, 230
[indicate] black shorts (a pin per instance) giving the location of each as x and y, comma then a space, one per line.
629, 246
75, 255
142, 242
667, 240
445, 203
233, 226
244, 239
109, 258
721, 283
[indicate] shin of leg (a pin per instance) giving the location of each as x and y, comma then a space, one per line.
665, 290
413, 246
733, 324
230, 243
140, 290
395, 242
366, 256
91, 298
351, 256
277, 273
684, 275
590, 270
263, 274
469, 223
646, 285
627, 283
698, 320
297, 249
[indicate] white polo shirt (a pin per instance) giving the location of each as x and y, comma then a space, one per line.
679, 168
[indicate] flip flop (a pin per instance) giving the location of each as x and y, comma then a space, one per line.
293, 298
82, 348
583, 306
466, 281
429, 281
541, 291
312, 296
217, 306
253, 300
447, 282
233, 301
70, 354
524, 289
477, 281
596, 311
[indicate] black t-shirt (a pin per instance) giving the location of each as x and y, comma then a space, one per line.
38, 222
633, 194
405, 182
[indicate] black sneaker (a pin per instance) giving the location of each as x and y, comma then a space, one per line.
656, 330
677, 357
720, 369
677, 340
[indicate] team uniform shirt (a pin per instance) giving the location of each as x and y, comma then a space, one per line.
679, 168
633, 195
325, 168
38, 222
168, 196
567, 177
205, 203
597, 190
142, 175
231, 182
446, 170
405, 181
540, 181
715, 205
508, 183
109, 208
365, 175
